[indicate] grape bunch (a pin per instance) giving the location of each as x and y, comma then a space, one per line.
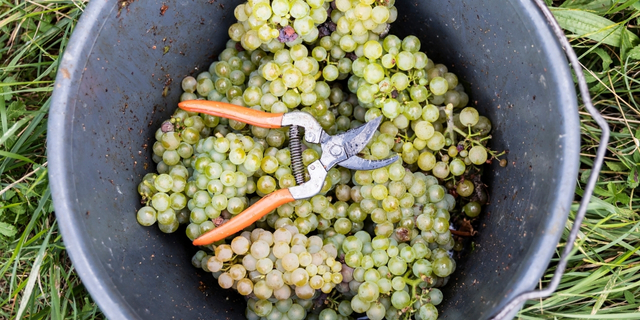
408, 254
280, 264
392, 77
270, 25
279, 272
379, 242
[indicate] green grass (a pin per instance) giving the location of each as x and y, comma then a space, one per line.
37, 280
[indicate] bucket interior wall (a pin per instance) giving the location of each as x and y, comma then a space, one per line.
109, 101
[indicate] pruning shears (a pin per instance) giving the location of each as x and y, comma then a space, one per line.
341, 149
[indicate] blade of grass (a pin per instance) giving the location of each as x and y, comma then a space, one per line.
592, 26
606, 292
35, 273
55, 294
14, 128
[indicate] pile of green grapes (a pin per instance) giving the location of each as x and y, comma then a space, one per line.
374, 242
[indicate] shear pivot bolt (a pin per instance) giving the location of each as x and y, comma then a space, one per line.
336, 151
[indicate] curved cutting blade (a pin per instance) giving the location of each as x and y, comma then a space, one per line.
352, 142
357, 163
356, 139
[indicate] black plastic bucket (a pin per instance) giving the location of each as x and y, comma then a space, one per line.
108, 101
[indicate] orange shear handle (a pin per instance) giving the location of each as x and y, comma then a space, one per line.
232, 111
246, 218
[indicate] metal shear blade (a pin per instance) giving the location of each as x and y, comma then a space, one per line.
358, 138
352, 142
357, 163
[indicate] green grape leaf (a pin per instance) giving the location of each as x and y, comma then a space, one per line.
5, 90
626, 44
7, 230
634, 54
601, 192
637, 134
636, 157
606, 59
617, 195
8, 195
17, 208
616, 166
625, 131
16, 109
629, 297
10, 134
631, 214
88, 306
633, 180
623, 6
592, 26
588, 77
599, 6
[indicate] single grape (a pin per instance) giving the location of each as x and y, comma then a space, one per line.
465, 188
358, 305
397, 266
146, 216
160, 201
368, 291
436, 296
443, 266
469, 116
167, 217
377, 311
428, 312
472, 209
189, 84
438, 86
400, 299
478, 155
225, 281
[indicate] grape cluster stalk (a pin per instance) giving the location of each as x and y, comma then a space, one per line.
377, 242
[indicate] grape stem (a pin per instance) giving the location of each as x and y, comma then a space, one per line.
146, 183
405, 136
412, 77
414, 284
461, 233
494, 155
462, 133
415, 297
332, 301
146, 197
468, 137
448, 110
478, 142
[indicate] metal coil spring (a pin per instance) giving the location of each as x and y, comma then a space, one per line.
295, 147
